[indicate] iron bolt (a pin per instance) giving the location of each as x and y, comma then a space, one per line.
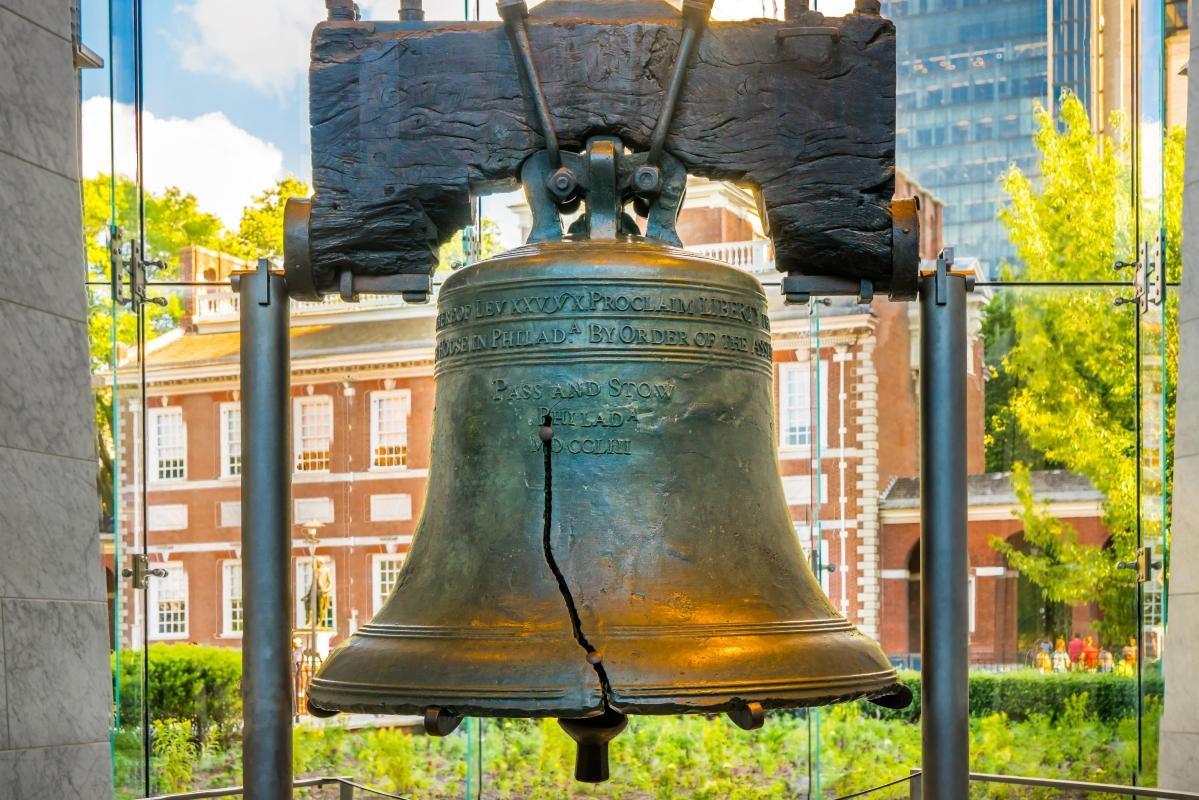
647, 179
562, 184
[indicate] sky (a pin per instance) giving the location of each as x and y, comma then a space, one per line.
225, 93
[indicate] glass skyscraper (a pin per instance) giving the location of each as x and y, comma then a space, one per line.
969, 73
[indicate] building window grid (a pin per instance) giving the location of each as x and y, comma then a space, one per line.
389, 429
795, 406
314, 433
387, 574
233, 611
168, 444
168, 607
230, 440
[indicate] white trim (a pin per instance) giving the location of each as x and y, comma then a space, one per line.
377, 559
390, 507
990, 572
296, 544
404, 396
163, 517
225, 413
175, 571
971, 588
154, 450
895, 574
227, 598
993, 513
229, 514
309, 510
300, 477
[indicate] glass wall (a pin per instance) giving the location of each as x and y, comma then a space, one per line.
197, 131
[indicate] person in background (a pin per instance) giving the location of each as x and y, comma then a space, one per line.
1090, 654
1061, 658
1075, 649
1106, 662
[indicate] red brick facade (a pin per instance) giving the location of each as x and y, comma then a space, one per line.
846, 378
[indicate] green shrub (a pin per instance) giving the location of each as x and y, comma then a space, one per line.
175, 753
186, 682
1018, 695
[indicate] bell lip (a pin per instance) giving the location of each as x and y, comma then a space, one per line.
335, 696
561, 257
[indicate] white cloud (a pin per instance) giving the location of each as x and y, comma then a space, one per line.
208, 156
263, 43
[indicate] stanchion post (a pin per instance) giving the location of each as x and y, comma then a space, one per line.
944, 633
266, 533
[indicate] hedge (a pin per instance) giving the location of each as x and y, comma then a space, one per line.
1110, 697
186, 682
203, 684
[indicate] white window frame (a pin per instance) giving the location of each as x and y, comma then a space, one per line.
404, 396
230, 445
300, 436
302, 569
154, 434
231, 593
378, 593
801, 371
157, 586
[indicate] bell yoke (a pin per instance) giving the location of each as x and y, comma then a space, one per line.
605, 531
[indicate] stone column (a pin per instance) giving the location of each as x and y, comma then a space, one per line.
55, 685
1178, 759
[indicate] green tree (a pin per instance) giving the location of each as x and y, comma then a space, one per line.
260, 233
453, 252
1065, 381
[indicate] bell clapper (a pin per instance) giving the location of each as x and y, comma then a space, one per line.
748, 716
439, 722
592, 735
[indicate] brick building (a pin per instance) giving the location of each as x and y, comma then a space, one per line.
846, 379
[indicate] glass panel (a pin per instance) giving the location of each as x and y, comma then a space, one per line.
1050, 521
1155, 364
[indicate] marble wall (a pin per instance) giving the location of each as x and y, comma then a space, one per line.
55, 687
1178, 761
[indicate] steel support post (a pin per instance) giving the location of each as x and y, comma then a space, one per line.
944, 633
266, 534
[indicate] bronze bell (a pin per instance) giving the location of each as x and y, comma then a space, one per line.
605, 531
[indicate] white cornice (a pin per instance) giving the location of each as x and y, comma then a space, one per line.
1075, 509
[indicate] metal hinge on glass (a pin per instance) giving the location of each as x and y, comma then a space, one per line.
1149, 282
1144, 565
141, 571
132, 266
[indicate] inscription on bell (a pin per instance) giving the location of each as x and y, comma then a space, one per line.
603, 302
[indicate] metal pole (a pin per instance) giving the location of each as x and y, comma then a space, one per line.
944, 634
266, 534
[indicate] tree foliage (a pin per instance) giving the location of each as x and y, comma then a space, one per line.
260, 232
1064, 392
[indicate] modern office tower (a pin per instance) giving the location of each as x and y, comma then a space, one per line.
969, 74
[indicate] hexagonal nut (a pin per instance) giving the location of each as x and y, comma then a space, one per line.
647, 179
562, 184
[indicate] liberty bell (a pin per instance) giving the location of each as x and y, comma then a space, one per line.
605, 531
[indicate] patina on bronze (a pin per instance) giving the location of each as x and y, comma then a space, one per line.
605, 531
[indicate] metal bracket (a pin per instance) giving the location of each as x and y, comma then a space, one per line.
1144, 565
141, 571
1149, 280
800, 289
135, 268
